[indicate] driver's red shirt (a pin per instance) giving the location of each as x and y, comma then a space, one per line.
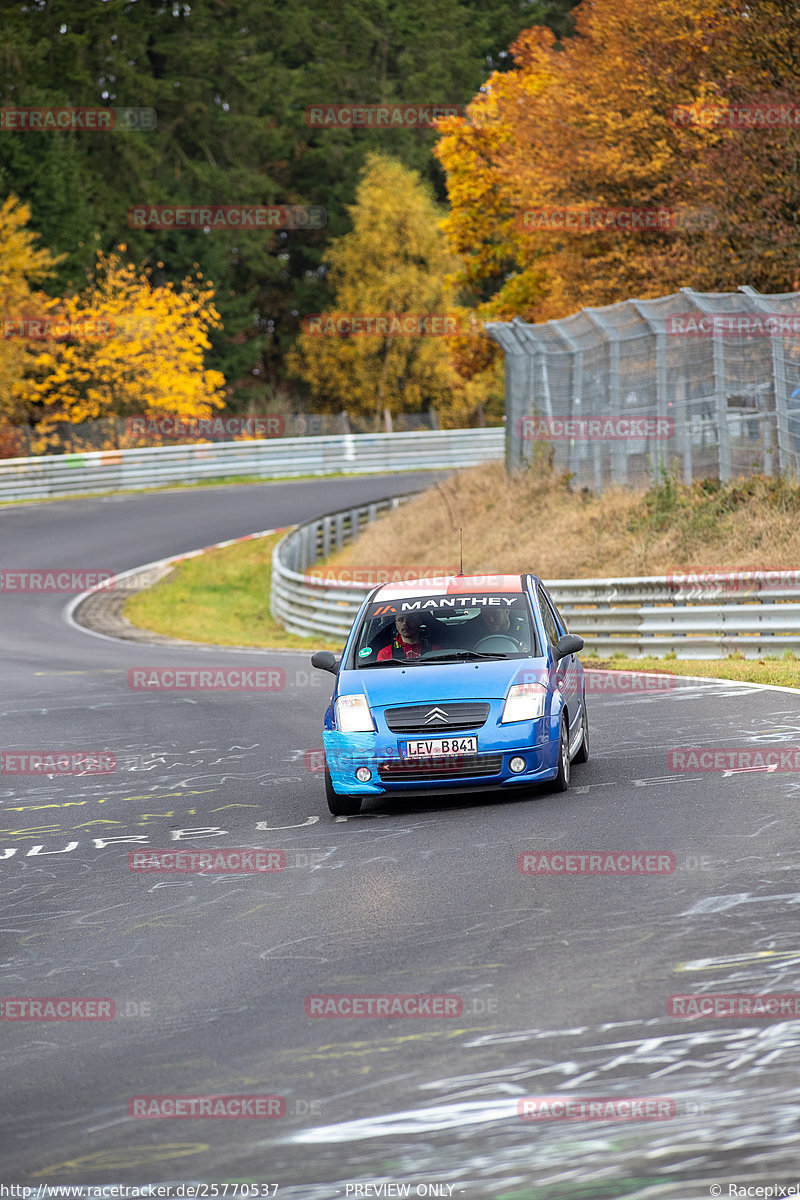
397, 647
410, 649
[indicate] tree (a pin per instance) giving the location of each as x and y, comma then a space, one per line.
749, 173
230, 81
589, 123
129, 348
393, 262
22, 264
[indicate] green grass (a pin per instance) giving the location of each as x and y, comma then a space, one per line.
784, 671
223, 597
220, 597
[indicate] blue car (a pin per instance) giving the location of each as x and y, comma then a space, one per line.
453, 684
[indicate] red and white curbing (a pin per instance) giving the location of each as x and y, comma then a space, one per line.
161, 565
249, 537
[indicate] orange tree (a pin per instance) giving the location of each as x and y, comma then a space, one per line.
596, 123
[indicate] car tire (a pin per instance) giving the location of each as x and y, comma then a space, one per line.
582, 755
561, 781
340, 806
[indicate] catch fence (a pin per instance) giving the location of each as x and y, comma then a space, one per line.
704, 384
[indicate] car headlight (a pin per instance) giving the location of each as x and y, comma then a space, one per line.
524, 702
353, 715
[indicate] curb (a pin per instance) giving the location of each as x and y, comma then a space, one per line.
98, 611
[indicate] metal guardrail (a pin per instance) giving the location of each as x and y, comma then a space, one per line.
306, 605
640, 616
357, 453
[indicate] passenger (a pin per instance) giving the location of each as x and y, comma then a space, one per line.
407, 641
500, 621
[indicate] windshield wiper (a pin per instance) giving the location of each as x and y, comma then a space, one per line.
457, 655
386, 662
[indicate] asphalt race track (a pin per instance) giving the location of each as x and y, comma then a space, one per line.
563, 980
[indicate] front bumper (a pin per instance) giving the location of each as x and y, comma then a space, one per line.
345, 753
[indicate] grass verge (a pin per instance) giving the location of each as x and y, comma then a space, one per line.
220, 597
223, 597
536, 521
527, 522
783, 672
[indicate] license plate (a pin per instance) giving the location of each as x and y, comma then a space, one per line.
439, 748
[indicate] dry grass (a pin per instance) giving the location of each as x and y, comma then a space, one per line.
535, 522
528, 523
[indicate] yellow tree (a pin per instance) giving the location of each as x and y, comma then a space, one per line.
129, 348
22, 265
392, 265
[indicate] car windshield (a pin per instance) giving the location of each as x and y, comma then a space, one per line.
444, 629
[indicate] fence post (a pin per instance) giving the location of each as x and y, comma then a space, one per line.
721, 399
785, 449
682, 416
659, 461
619, 452
785, 453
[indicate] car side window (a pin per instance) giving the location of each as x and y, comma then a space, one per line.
560, 622
551, 628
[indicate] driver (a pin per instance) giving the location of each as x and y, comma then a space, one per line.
408, 641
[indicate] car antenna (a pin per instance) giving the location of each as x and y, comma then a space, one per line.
461, 552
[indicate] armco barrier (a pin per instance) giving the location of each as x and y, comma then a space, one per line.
357, 453
306, 605
636, 616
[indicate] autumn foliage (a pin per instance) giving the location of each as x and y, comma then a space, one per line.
23, 265
590, 122
136, 349
394, 263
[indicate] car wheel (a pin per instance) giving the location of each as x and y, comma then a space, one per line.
583, 754
561, 781
340, 806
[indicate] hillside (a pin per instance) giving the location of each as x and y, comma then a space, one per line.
536, 522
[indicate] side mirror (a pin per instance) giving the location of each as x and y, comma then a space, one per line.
326, 660
569, 643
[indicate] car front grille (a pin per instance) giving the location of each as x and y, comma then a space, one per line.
430, 718
457, 766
